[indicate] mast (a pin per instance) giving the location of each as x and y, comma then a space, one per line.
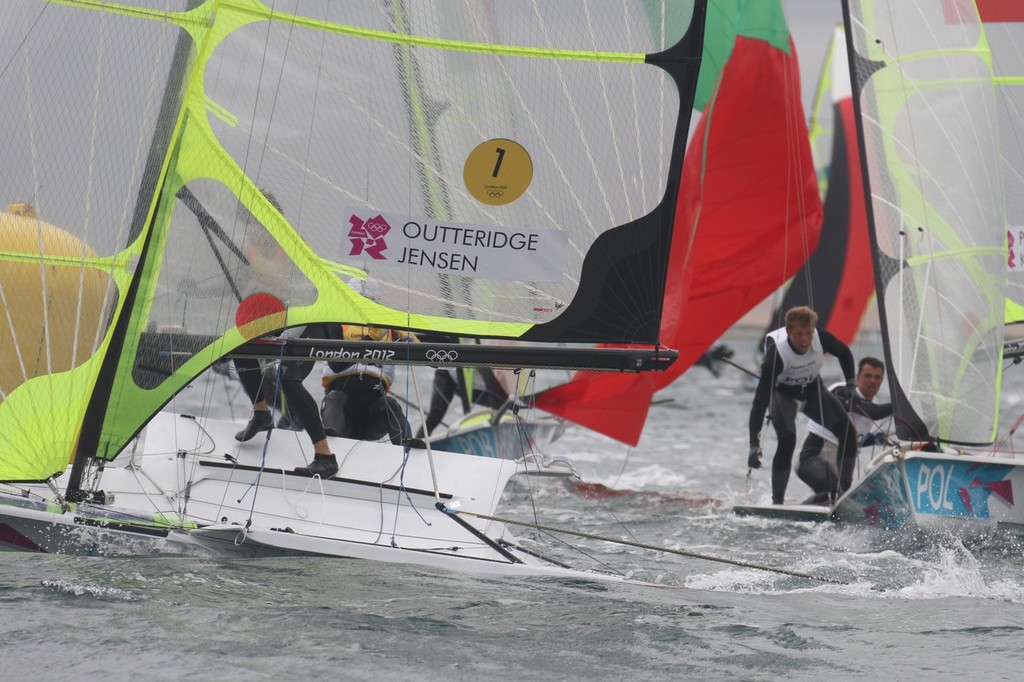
170, 108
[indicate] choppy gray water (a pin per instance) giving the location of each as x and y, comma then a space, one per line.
935, 609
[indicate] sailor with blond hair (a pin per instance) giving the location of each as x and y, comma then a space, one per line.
790, 381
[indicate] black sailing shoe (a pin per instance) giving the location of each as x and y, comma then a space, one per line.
324, 466
259, 421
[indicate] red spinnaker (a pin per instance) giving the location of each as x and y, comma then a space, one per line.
748, 217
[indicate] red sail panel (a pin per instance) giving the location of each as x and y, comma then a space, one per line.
838, 280
615, 405
991, 11
750, 193
757, 207
857, 283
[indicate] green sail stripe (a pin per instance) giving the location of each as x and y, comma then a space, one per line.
433, 190
970, 252
1014, 311
108, 264
728, 19
252, 11
816, 131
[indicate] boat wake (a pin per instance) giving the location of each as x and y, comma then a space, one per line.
599, 491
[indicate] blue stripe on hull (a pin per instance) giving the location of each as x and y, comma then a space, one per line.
929, 492
480, 442
503, 441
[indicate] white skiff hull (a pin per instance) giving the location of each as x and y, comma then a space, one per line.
193, 486
35, 524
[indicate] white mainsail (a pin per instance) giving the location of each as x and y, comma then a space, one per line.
1004, 32
929, 120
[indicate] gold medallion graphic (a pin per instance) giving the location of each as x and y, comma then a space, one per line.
497, 172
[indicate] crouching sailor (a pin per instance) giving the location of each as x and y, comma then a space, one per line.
356, 402
815, 467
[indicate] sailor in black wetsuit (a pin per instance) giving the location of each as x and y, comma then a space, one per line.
815, 468
790, 381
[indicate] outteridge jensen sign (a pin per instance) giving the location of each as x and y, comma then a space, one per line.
487, 252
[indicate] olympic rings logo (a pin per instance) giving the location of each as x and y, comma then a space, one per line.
495, 193
442, 355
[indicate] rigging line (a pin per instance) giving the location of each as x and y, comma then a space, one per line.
426, 441
538, 555
407, 448
255, 485
21, 45
608, 510
604, 563
312, 117
212, 229
740, 367
413, 406
530, 482
1001, 443
640, 545
793, 118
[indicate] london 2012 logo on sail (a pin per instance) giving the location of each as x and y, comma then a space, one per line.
368, 236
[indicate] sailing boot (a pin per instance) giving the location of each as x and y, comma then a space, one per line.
780, 479
259, 421
324, 466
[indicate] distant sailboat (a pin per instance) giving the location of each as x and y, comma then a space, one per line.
749, 205
500, 425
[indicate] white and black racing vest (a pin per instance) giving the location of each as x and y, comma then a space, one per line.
863, 424
797, 370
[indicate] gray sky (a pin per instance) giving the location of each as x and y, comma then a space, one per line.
810, 24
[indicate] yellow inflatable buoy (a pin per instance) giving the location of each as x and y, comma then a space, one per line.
52, 304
